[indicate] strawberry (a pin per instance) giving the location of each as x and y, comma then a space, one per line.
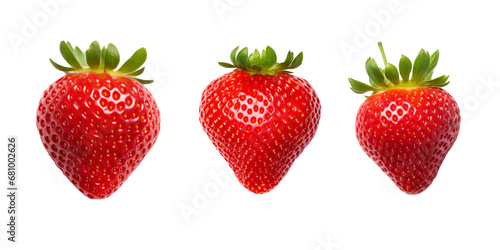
97, 123
408, 125
260, 117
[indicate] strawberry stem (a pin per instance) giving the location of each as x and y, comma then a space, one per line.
383, 53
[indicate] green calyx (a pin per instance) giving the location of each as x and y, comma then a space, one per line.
263, 63
101, 60
389, 77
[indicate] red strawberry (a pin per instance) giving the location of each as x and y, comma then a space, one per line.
407, 126
260, 117
97, 124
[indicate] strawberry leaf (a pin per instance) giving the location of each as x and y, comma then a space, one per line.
241, 59
137, 72
134, 62
297, 61
93, 55
69, 55
434, 61
405, 67
392, 74
233, 55
102, 58
111, 58
421, 65
437, 82
359, 87
254, 61
226, 65
375, 73
268, 58
62, 68
142, 80
80, 57
286, 64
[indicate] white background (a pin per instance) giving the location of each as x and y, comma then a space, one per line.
334, 196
